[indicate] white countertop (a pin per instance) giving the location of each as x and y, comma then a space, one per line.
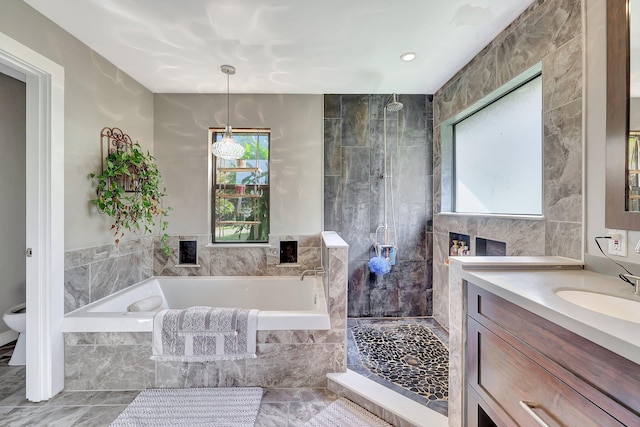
531, 283
501, 262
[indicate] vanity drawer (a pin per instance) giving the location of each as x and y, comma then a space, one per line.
522, 390
607, 379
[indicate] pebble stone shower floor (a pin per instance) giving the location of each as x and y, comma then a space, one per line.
407, 355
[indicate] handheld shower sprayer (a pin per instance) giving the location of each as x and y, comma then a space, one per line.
392, 104
385, 253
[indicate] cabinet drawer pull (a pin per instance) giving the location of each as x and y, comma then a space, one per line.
528, 407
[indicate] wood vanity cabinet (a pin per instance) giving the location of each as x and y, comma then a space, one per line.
523, 370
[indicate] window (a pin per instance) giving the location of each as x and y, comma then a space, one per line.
240, 193
497, 154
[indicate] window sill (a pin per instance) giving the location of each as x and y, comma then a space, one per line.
489, 215
237, 245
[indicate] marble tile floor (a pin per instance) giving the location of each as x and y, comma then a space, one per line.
279, 408
355, 363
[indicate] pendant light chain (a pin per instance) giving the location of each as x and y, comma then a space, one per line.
228, 129
227, 148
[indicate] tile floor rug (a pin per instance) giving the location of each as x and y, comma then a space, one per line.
193, 407
343, 412
407, 354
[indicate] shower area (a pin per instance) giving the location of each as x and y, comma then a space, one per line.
378, 195
399, 221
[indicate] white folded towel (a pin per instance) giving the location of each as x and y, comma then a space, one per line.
146, 304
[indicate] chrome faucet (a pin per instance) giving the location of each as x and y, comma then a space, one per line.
317, 272
635, 282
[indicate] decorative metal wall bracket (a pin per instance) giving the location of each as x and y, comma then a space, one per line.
114, 140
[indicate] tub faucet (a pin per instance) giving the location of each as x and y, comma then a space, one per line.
317, 272
635, 282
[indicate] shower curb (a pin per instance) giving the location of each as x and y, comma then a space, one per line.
382, 402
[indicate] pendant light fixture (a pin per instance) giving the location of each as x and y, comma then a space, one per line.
227, 148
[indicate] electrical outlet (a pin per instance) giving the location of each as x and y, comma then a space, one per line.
618, 242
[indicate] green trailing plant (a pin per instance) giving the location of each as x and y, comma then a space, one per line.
138, 208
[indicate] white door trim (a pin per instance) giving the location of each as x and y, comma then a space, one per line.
45, 216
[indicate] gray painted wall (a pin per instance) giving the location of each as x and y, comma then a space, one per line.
182, 152
12, 193
97, 94
353, 198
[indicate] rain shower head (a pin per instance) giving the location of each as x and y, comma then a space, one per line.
393, 104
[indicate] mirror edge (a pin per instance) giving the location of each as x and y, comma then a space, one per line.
617, 125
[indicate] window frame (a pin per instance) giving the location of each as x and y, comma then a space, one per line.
213, 134
447, 140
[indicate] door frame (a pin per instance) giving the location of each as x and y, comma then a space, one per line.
45, 215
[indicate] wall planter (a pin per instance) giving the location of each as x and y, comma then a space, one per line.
129, 189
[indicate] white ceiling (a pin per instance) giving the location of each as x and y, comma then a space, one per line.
285, 46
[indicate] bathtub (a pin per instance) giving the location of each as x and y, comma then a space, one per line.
285, 302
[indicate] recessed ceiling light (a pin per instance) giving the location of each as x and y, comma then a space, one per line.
408, 56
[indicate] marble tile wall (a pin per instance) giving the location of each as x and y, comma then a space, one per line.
354, 194
293, 358
238, 261
96, 272
549, 31
108, 361
457, 345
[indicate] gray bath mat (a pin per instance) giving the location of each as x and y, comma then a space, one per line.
342, 413
192, 407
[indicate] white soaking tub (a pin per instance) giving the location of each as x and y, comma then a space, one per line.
285, 302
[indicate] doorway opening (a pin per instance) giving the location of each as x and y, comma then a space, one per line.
45, 215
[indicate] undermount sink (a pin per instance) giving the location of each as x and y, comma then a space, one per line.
609, 305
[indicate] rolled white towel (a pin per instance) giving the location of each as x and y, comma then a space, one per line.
146, 304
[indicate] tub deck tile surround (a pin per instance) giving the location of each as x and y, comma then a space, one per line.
120, 361
108, 361
116, 274
165, 265
332, 336
95, 272
225, 373
306, 365
76, 287
240, 260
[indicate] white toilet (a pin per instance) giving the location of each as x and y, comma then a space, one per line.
16, 319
